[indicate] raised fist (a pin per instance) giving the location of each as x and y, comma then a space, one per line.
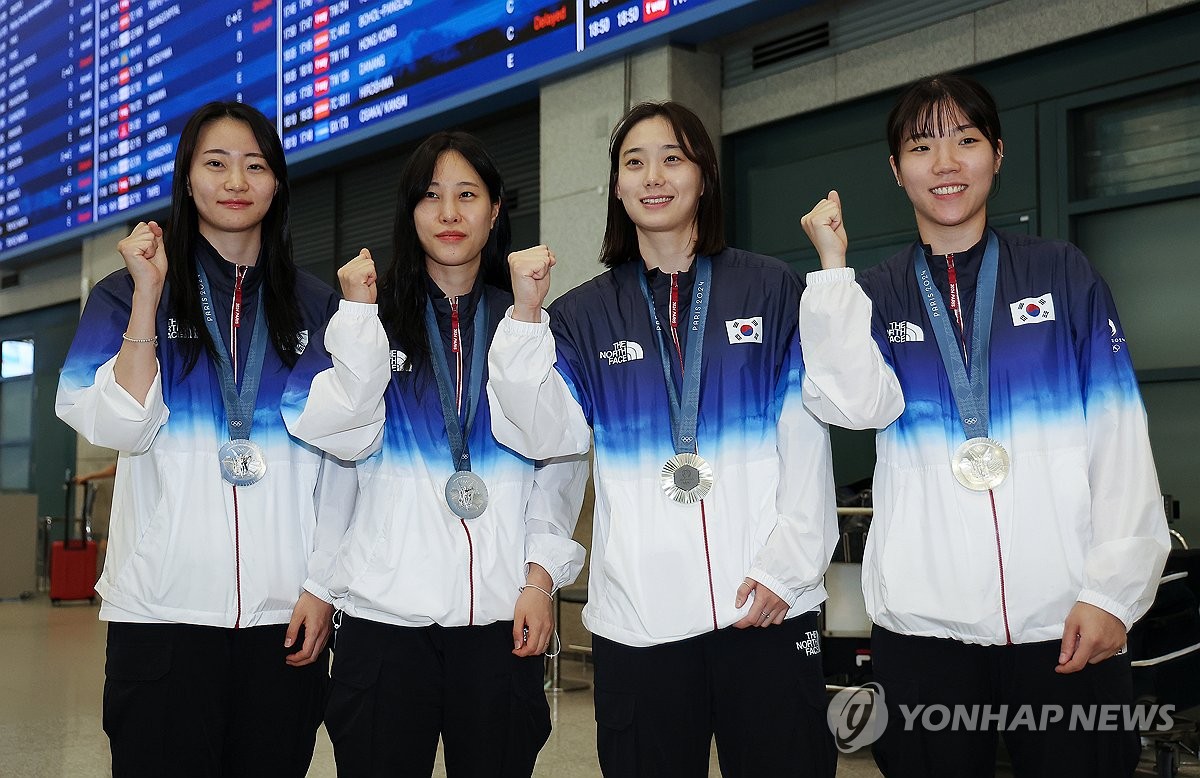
357, 278
530, 271
825, 228
145, 256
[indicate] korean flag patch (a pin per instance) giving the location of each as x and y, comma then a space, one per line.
1032, 310
744, 330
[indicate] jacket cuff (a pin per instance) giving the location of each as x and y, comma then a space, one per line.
831, 276
1106, 603
524, 329
319, 591
775, 585
358, 310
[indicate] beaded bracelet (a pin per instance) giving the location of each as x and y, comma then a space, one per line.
152, 339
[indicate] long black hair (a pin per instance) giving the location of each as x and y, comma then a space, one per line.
930, 107
620, 234
183, 234
403, 287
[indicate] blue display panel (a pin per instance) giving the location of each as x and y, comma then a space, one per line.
346, 66
46, 104
94, 93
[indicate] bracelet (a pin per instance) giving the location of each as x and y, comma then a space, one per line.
540, 589
152, 339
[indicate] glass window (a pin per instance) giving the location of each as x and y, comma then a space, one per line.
16, 358
16, 414
1138, 143
1147, 253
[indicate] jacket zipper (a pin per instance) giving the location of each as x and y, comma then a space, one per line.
456, 348
235, 323
955, 306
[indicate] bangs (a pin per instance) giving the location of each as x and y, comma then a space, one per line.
937, 120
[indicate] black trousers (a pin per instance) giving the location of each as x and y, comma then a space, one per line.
760, 692
946, 673
185, 700
396, 689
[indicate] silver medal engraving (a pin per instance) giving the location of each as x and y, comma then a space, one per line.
242, 462
980, 464
466, 494
687, 478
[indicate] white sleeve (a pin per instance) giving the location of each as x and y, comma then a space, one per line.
334, 499
533, 410
797, 553
551, 515
1130, 539
340, 409
847, 381
107, 415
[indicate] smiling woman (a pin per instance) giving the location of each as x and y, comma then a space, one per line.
180, 363
1018, 531
714, 519
457, 544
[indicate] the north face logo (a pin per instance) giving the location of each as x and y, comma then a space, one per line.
398, 361
623, 351
905, 332
811, 645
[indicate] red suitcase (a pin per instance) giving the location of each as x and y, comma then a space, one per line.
73, 570
73, 560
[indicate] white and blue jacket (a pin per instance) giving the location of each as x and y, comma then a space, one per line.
406, 559
1079, 517
663, 571
184, 545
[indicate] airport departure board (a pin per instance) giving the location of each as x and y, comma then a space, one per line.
94, 93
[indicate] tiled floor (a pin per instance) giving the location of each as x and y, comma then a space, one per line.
51, 677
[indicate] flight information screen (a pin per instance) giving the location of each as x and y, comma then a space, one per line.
94, 93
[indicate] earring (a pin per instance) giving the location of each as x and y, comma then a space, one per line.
188, 184
899, 184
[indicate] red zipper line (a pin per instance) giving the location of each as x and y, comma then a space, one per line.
470, 571
237, 558
952, 279
456, 347
1000, 558
235, 323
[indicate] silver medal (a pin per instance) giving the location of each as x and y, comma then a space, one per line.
466, 494
242, 462
687, 478
980, 464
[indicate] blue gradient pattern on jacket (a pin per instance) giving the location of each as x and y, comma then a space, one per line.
414, 437
197, 410
742, 384
1040, 372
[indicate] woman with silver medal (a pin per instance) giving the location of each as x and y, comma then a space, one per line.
445, 579
215, 651
714, 519
1018, 531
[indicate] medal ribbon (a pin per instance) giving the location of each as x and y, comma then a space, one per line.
456, 430
685, 409
239, 405
969, 385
